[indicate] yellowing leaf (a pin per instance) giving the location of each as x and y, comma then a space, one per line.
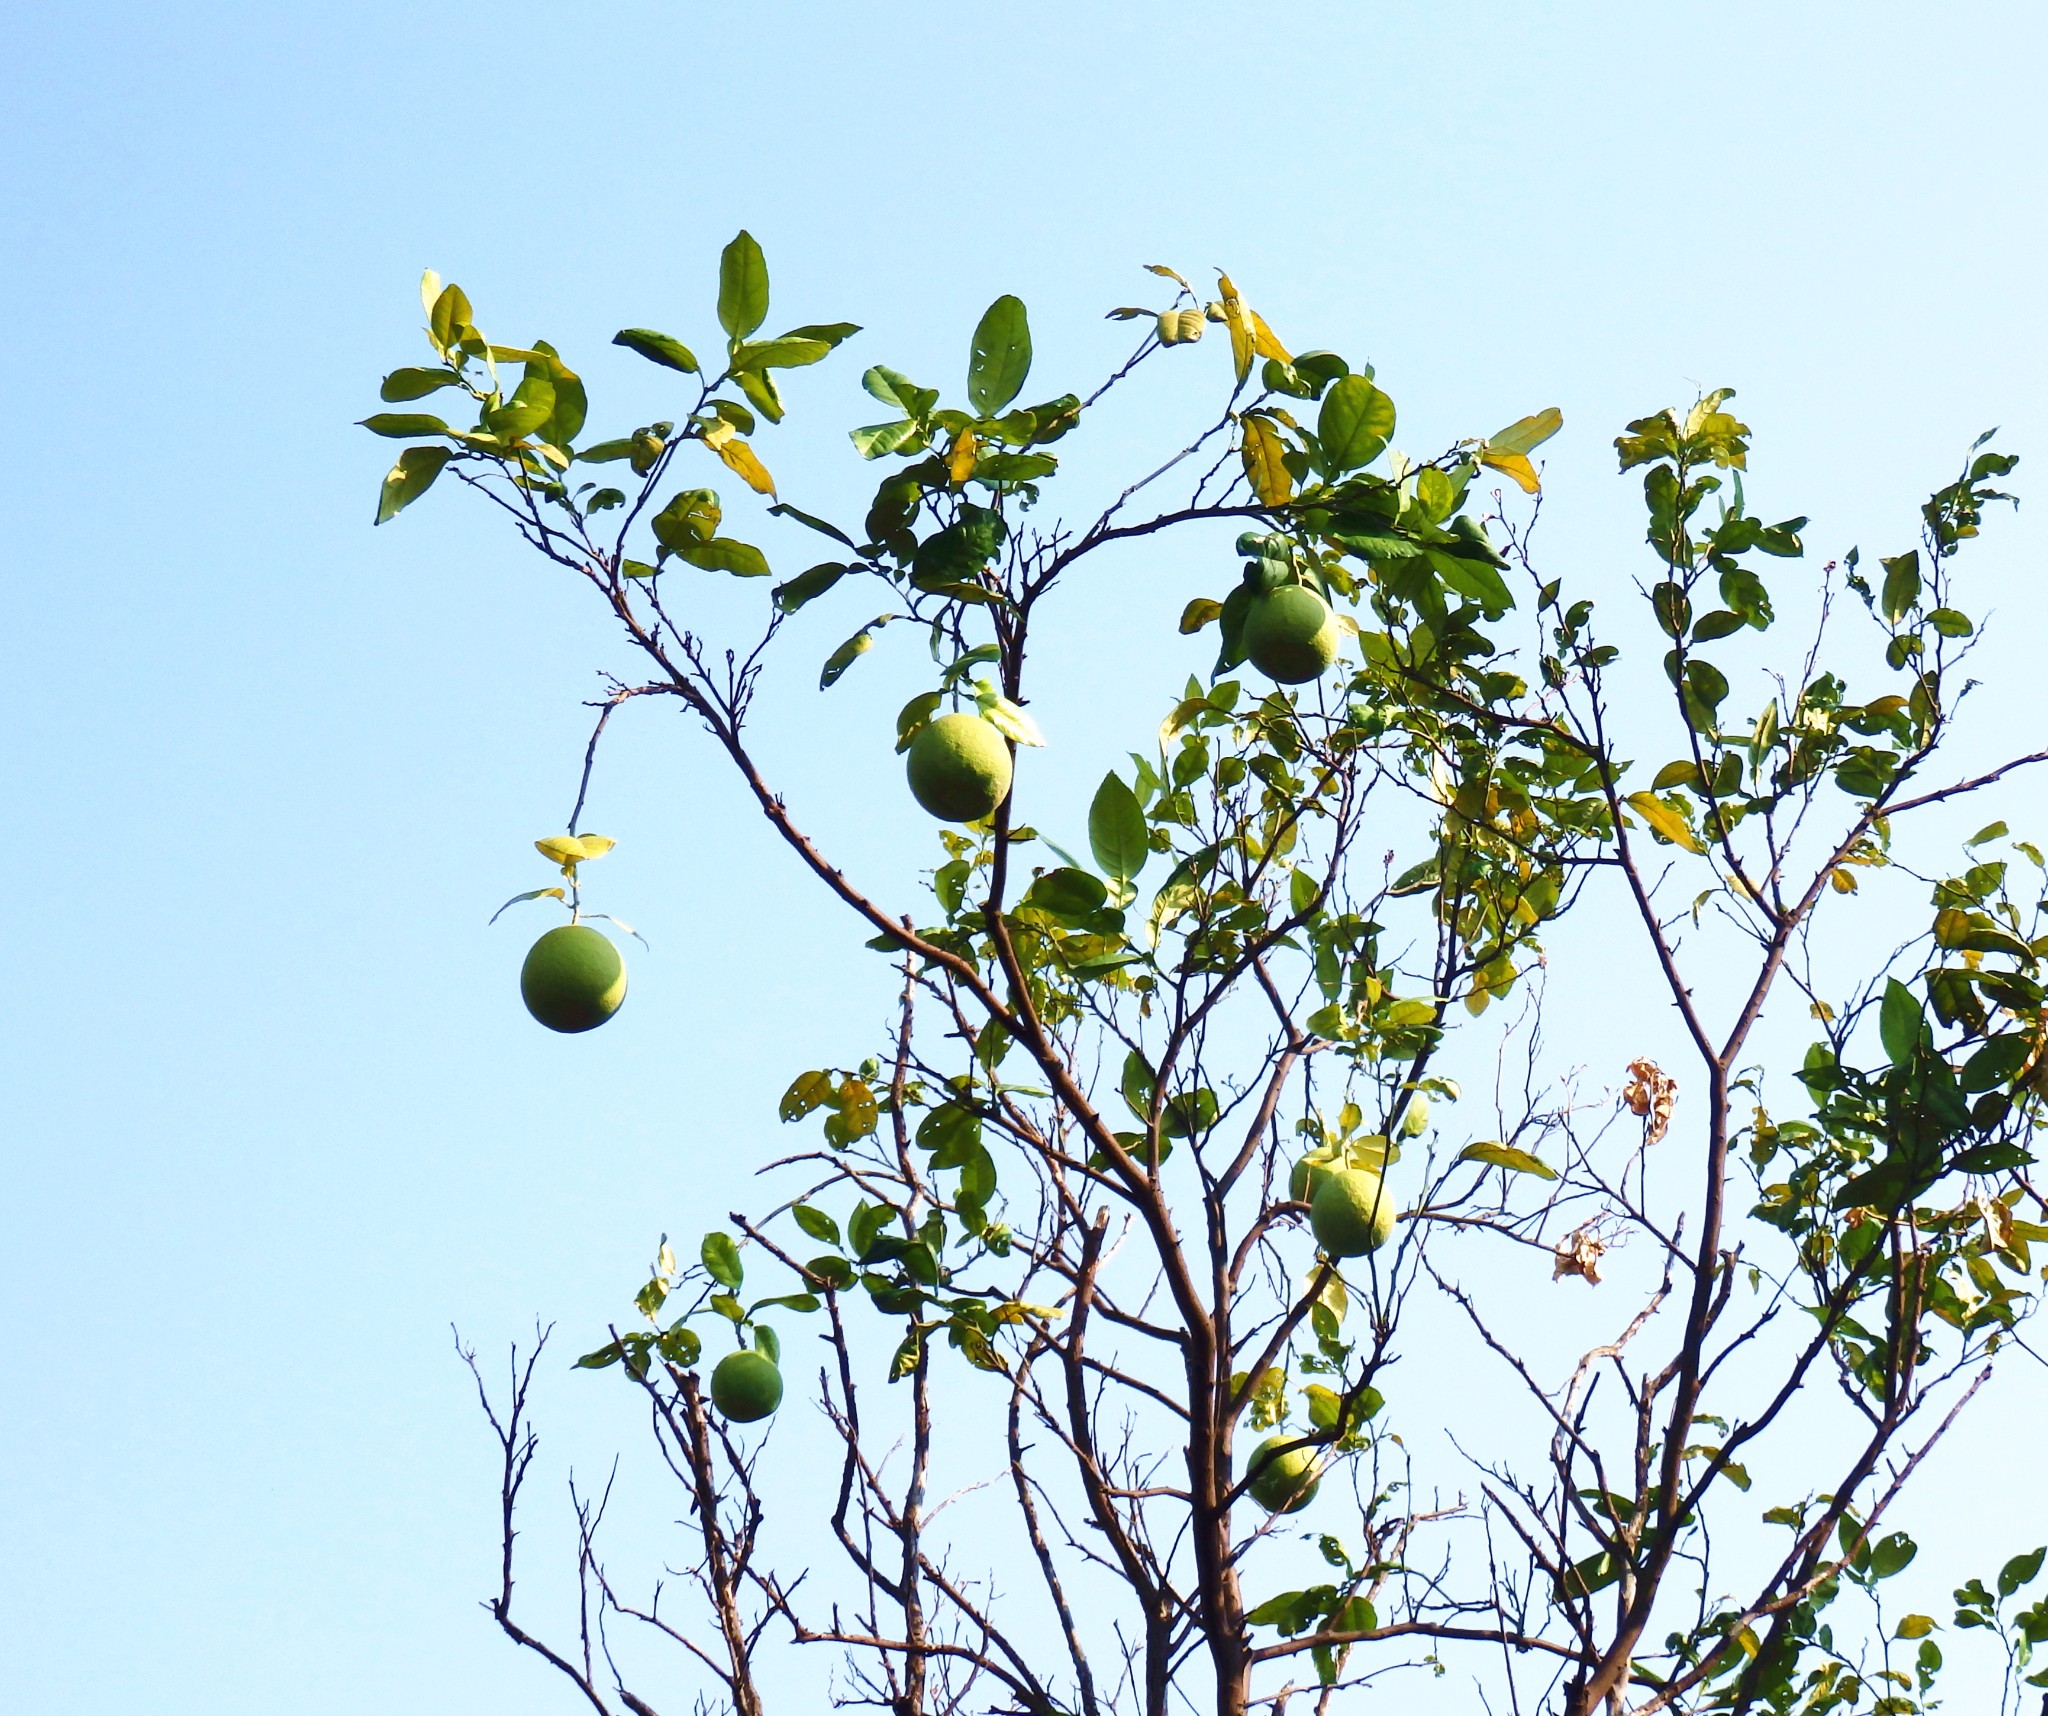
1010, 721
1515, 465
569, 850
960, 460
740, 459
530, 894
1161, 269
1243, 342
1198, 614
1263, 341
1263, 450
1183, 713
1663, 820
1526, 435
1507, 1156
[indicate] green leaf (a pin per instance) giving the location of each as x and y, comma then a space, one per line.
784, 353
410, 478
816, 1223
449, 317
1116, 829
802, 1302
2020, 1570
835, 1272
1899, 1022
1914, 1627
999, 358
899, 392
726, 554
1901, 584
742, 286
722, 1260
850, 652
532, 404
403, 425
877, 439
807, 586
1354, 424
1506, 1156
657, 348
1067, 893
782, 509
404, 384
832, 333
689, 519
759, 386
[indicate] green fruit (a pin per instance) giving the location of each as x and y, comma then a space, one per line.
1309, 1174
573, 979
746, 1386
1283, 1482
1291, 635
959, 768
1352, 1213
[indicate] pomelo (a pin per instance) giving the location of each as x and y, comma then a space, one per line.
573, 979
1291, 635
1352, 1213
959, 768
746, 1386
1309, 1173
1283, 1482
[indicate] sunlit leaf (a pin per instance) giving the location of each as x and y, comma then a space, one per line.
740, 459
742, 286
410, 478
1515, 465
1664, 820
1508, 1157
1116, 829
1264, 454
1527, 434
999, 358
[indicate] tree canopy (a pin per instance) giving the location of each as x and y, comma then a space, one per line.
1186, 1126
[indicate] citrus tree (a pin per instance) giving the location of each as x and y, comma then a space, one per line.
1098, 1260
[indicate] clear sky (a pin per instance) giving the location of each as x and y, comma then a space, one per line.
272, 1116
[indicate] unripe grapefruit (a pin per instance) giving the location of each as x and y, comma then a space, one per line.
1309, 1173
1291, 635
959, 768
746, 1386
573, 979
1283, 1482
1352, 1213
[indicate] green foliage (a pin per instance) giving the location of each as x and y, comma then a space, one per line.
1074, 1100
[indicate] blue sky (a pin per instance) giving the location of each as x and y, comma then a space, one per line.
274, 1118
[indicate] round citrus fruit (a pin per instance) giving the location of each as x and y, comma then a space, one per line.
959, 768
1352, 1213
1291, 635
746, 1386
1309, 1173
573, 979
1283, 1482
